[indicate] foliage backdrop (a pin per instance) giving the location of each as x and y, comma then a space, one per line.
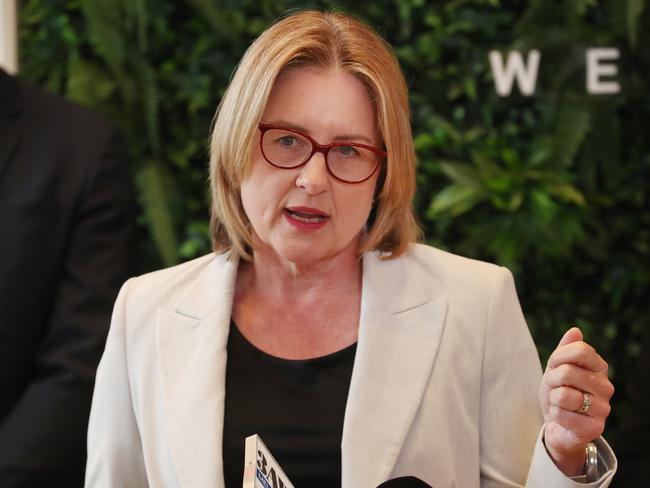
553, 186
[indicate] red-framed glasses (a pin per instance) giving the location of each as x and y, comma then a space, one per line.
348, 162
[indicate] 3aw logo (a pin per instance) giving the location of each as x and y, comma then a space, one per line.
269, 479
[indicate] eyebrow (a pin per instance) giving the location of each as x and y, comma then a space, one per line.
342, 137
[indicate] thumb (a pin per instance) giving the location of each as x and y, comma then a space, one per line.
572, 335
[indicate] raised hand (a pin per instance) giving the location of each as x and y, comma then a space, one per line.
574, 396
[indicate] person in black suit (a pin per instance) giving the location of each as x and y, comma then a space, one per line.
67, 224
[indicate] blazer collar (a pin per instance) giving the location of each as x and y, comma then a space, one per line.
213, 288
399, 332
191, 340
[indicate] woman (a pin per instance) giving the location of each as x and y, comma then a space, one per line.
357, 355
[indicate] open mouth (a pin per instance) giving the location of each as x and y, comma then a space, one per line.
306, 217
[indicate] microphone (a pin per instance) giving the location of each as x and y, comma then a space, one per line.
405, 482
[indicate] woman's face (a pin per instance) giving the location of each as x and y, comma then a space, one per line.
304, 215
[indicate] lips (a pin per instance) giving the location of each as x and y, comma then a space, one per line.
306, 218
307, 215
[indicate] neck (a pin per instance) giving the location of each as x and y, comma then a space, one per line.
270, 277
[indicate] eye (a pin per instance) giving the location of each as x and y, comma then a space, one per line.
286, 140
347, 151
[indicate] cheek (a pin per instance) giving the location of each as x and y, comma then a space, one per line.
246, 202
355, 208
251, 199
261, 196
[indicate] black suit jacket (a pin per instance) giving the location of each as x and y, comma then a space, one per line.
66, 225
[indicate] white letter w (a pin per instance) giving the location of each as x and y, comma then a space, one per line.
504, 76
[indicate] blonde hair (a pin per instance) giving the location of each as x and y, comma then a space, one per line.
324, 40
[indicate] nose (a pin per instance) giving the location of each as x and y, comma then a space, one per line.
313, 176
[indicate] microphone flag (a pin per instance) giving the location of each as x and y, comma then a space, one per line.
261, 470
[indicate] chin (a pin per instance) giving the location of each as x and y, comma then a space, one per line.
302, 256
306, 252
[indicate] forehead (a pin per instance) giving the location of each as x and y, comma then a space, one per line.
324, 102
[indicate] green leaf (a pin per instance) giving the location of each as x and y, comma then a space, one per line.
516, 200
470, 88
150, 100
573, 123
87, 83
462, 173
488, 169
104, 19
568, 193
153, 183
544, 205
633, 11
454, 200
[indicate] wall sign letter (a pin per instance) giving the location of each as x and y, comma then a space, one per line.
504, 76
596, 69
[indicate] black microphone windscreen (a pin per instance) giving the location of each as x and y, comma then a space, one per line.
405, 482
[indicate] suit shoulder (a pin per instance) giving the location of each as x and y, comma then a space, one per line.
167, 285
57, 112
440, 261
454, 273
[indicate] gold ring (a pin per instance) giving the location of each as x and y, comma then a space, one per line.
586, 403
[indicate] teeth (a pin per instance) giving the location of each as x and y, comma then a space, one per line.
311, 219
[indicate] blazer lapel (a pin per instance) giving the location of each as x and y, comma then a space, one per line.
191, 341
10, 119
399, 333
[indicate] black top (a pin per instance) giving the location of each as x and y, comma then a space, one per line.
295, 406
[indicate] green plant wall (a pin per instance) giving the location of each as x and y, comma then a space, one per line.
553, 185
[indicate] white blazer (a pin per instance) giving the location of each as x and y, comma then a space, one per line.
444, 385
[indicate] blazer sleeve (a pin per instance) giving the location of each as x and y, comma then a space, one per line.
44, 435
115, 456
512, 450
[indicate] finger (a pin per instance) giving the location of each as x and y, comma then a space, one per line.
566, 397
572, 335
583, 427
581, 379
579, 353
572, 400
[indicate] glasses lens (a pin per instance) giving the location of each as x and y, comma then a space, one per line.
352, 163
285, 148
